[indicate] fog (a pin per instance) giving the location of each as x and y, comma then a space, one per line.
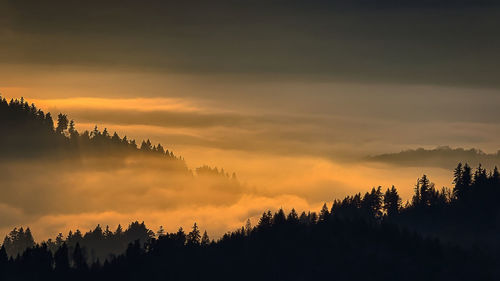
53, 195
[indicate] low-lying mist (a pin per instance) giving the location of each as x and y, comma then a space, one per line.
53, 194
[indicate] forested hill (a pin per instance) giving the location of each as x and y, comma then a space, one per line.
28, 131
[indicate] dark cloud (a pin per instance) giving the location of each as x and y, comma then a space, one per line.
445, 42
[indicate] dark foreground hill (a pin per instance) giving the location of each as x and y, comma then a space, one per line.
279, 248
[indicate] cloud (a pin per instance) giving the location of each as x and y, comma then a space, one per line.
428, 42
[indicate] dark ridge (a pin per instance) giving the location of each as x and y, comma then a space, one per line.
443, 157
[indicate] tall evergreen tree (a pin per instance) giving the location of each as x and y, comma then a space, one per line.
193, 237
392, 201
62, 123
205, 240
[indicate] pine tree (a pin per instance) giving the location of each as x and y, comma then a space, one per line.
458, 190
49, 123
160, 232
62, 123
266, 220
193, 237
28, 240
392, 201
416, 199
73, 133
324, 214
292, 217
59, 240
205, 240
279, 217
248, 227
426, 190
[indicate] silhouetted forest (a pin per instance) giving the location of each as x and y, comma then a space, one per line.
31, 132
440, 234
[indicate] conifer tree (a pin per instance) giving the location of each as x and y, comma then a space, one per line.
205, 240
193, 237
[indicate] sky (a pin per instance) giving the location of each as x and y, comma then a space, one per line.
292, 96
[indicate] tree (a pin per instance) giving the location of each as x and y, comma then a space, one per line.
392, 201
462, 178
248, 227
105, 133
417, 198
180, 236
467, 176
48, 122
324, 214
119, 230
160, 149
193, 237
266, 220
95, 133
62, 123
146, 145
292, 217
28, 240
371, 204
426, 191
495, 177
115, 138
279, 217
108, 234
160, 232
59, 240
457, 180
73, 133
480, 177
205, 240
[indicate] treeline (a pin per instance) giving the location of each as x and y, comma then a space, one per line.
281, 247
31, 132
97, 244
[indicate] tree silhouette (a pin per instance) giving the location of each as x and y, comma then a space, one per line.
62, 123
205, 240
324, 214
392, 201
193, 237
